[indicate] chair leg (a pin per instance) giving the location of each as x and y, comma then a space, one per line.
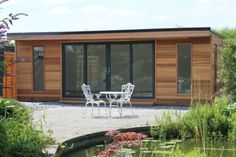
92, 109
131, 108
110, 109
121, 106
86, 108
98, 109
105, 108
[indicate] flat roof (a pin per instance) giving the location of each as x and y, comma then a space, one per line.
28, 35
120, 31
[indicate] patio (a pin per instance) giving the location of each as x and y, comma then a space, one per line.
69, 121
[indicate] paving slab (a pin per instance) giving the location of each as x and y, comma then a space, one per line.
68, 121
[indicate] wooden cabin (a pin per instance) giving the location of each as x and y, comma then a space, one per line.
172, 66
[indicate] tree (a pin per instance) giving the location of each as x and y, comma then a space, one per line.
228, 61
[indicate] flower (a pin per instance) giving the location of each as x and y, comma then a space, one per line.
120, 140
112, 133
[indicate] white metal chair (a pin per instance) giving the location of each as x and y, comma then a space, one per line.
127, 91
90, 98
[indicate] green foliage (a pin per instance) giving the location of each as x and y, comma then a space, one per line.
3, 104
228, 33
24, 137
3, 142
216, 121
206, 120
230, 110
193, 153
232, 132
228, 62
169, 126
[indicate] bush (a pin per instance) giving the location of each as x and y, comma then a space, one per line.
216, 121
169, 126
3, 142
228, 62
232, 132
24, 138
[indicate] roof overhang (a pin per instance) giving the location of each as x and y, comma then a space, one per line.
135, 34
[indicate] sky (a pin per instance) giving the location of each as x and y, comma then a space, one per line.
88, 15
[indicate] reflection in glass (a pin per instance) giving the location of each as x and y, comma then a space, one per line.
38, 68
96, 67
143, 69
119, 65
74, 70
184, 68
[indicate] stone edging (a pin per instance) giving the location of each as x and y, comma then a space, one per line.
85, 141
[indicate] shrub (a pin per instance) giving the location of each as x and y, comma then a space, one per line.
232, 132
169, 126
119, 140
228, 62
230, 110
25, 138
3, 142
202, 121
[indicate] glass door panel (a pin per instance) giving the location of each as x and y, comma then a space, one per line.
73, 70
143, 69
119, 65
97, 69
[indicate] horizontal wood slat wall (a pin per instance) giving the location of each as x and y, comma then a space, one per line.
166, 71
216, 65
9, 81
52, 71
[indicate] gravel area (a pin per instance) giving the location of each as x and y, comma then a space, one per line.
68, 121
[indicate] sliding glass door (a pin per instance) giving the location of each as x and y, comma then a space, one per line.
107, 66
96, 67
120, 65
73, 70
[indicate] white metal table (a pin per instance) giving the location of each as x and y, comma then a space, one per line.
110, 96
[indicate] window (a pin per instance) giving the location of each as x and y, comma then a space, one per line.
96, 70
38, 68
119, 57
107, 66
73, 69
184, 68
143, 69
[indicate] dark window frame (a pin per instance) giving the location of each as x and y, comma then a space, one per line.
63, 67
177, 67
33, 85
107, 53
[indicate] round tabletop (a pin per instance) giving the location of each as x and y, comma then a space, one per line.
110, 92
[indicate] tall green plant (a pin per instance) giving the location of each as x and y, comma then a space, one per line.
3, 142
24, 137
228, 61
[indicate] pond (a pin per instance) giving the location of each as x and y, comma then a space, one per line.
156, 148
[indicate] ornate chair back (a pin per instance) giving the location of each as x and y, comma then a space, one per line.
127, 90
87, 92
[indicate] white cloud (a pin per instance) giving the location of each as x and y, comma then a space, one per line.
100, 17
109, 11
204, 2
162, 18
61, 11
55, 2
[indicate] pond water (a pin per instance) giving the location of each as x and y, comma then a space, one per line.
157, 148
